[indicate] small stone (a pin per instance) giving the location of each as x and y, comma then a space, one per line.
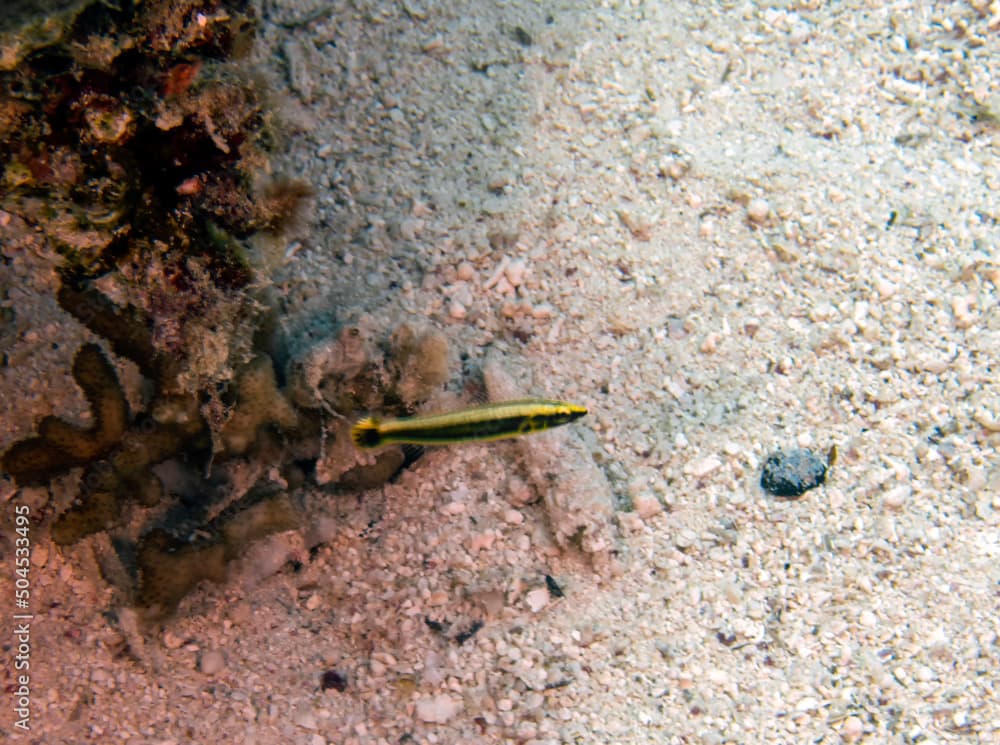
685, 539
481, 542
466, 271
211, 662
519, 493
758, 210
516, 271
807, 703
410, 228
792, 473
853, 729
333, 679
542, 312
305, 720
456, 310
710, 344
960, 309
630, 521
896, 497
434, 45
438, 709
513, 517
491, 601
986, 419
701, 468
499, 181
646, 505
240, 613
537, 599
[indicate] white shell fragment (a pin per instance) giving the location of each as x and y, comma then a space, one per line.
438, 709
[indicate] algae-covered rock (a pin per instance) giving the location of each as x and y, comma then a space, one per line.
420, 362
260, 403
27, 25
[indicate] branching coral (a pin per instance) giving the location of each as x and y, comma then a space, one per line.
61, 445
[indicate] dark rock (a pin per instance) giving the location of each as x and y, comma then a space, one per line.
792, 473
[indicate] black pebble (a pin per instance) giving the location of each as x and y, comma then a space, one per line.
333, 679
554, 589
792, 473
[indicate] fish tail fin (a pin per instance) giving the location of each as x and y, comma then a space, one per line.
366, 434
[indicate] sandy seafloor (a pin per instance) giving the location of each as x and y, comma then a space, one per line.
732, 227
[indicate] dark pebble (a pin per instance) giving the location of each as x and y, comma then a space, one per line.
333, 679
792, 473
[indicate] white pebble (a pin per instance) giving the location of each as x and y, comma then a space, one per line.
758, 210
960, 308
685, 539
466, 271
504, 287
853, 729
456, 310
885, 288
513, 517
701, 468
439, 709
537, 599
896, 497
516, 271
807, 703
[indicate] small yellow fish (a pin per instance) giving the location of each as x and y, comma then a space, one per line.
478, 423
